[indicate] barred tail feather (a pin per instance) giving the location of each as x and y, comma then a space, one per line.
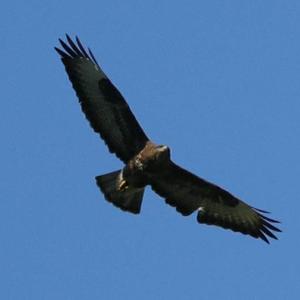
128, 200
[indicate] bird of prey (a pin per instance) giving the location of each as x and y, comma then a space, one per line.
147, 163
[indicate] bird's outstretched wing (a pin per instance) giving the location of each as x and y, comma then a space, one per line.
103, 105
215, 206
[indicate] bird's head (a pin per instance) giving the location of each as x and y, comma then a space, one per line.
154, 156
162, 153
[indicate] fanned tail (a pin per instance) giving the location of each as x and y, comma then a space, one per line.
129, 199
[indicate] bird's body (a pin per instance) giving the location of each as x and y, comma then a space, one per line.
146, 163
150, 160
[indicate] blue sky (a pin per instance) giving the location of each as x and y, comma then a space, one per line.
217, 81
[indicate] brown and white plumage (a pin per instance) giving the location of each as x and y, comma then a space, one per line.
147, 163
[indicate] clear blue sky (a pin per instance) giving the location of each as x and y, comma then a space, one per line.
217, 81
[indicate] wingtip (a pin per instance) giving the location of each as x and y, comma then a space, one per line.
61, 53
81, 47
268, 233
93, 57
60, 41
71, 50
70, 41
263, 237
261, 210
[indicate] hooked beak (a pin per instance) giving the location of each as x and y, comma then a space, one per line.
162, 148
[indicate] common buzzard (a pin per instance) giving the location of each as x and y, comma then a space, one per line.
147, 163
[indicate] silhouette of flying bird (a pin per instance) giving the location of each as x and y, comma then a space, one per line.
147, 163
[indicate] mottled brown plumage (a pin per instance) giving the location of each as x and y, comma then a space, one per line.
147, 163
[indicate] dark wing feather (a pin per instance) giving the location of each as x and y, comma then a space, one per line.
103, 105
215, 206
